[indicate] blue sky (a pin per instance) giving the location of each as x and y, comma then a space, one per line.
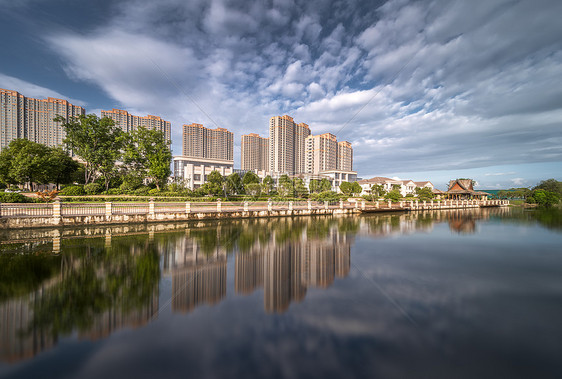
423, 89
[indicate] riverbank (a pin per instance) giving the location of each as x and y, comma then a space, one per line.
72, 214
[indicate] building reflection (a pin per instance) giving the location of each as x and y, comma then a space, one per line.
95, 286
92, 294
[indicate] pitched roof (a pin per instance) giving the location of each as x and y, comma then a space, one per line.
465, 184
376, 179
421, 184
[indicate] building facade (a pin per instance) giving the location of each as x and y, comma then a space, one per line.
255, 152
193, 171
128, 122
32, 119
345, 156
321, 153
201, 142
287, 145
405, 187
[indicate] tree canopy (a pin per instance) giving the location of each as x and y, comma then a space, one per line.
26, 162
147, 155
98, 142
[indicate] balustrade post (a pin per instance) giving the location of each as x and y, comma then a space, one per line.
401, 204
417, 204
269, 205
325, 205
290, 206
341, 204
309, 205
219, 205
187, 207
108, 209
151, 211
411, 203
424, 204
57, 211
390, 204
245, 206
377, 204
363, 205
431, 204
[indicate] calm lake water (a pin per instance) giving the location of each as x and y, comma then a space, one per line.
449, 294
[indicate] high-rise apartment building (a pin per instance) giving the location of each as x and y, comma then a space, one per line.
302, 131
345, 156
202, 142
32, 119
325, 153
255, 152
128, 122
287, 145
321, 153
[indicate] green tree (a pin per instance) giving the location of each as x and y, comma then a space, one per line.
250, 177
545, 199
60, 167
286, 186
300, 189
98, 142
147, 154
424, 193
234, 184
377, 190
550, 185
268, 184
253, 189
214, 184
356, 188
314, 186
393, 195
346, 188
325, 185
24, 162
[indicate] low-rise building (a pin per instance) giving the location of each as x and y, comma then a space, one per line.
337, 177
405, 187
193, 171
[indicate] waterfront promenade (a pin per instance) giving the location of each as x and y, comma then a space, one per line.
60, 213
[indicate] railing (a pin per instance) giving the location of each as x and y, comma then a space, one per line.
70, 209
128, 208
26, 210
58, 209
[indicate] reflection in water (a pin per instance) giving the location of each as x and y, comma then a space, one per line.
91, 290
96, 280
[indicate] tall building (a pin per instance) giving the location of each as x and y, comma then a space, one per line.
345, 156
204, 150
128, 122
321, 153
302, 131
255, 152
32, 119
201, 142
287, 145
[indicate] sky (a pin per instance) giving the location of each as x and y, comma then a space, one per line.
424, 90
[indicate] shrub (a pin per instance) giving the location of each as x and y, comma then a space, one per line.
14, 198
393, 195
154, 191
73, 191
113, 191
93, 188
143, 191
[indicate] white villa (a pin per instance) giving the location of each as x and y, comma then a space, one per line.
404, 186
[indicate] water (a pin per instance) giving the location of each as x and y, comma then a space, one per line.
444, 294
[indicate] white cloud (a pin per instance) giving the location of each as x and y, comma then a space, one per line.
436, 84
